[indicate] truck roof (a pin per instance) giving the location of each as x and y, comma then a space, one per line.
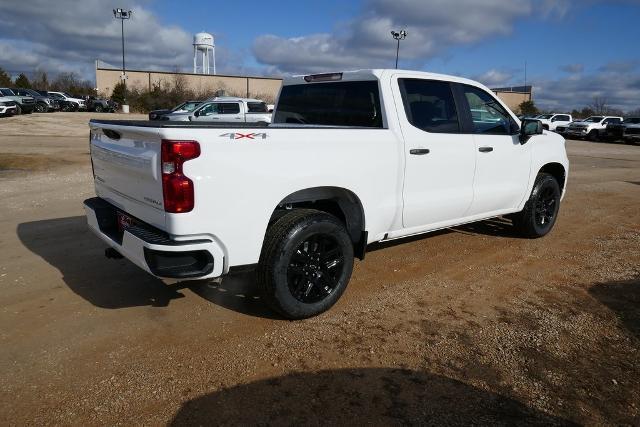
379, 73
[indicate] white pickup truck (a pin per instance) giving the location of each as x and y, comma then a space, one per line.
552, 121
225, 109
352, 158
592, 128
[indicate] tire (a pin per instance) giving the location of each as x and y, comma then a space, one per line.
41, 108
593, 135
98, 108
18, 110
541, 210
305, 264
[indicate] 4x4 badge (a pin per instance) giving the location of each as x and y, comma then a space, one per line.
237, 135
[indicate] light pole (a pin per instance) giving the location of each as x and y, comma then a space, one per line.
401, 35
122, 14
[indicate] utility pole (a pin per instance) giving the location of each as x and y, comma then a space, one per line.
401, 35
122, 14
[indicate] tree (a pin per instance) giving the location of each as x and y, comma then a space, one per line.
528, 108
118, 93
22, 81
40, 80
5, 79
600, 105
587, 112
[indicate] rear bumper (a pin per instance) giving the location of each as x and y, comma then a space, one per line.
155, 251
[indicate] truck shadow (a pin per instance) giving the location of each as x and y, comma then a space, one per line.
69, 246
623, 299
368, 396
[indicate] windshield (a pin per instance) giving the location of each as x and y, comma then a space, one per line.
7, 92
355, 103
67, 95
545, 116
632, 121
594, 119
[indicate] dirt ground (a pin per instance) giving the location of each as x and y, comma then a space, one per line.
468, 326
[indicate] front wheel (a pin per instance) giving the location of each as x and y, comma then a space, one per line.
41, 108
99, 108
541, 210
593, 135
306, 263
18, 110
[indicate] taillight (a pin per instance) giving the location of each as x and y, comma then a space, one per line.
177, 189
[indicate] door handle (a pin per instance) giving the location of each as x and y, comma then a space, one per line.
485, 149
419, 151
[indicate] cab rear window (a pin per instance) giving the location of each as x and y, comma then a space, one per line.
331, 104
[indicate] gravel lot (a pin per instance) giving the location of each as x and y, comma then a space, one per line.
468, 326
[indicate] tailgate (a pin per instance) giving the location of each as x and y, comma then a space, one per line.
126, 168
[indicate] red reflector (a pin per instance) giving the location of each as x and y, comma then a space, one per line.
177, 189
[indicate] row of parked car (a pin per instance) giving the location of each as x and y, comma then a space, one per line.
25, 101
218, 109
594, 128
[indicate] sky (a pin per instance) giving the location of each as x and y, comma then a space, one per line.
575, 50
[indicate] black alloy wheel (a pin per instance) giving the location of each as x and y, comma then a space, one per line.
545, 209
41, 108
315, 268
541, 210
305, 264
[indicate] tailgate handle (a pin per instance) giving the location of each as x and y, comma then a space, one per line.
485, 149
419, 151
112, 134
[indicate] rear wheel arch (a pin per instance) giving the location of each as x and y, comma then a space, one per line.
337, 201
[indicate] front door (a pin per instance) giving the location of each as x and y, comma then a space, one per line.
440, 159
502, 164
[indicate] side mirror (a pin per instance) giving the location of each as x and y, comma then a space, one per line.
197, 113
530, 128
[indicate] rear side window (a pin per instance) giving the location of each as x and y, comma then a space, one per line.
229, 108
488, 116
257, 107
331, 104
429, 105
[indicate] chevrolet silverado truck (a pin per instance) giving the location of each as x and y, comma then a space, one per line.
552, 121
224, 109
592, 128
350, 159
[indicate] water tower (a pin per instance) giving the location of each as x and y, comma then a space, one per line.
203, 44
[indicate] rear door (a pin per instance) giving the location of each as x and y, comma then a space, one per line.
231, 112
502, 163
440, 159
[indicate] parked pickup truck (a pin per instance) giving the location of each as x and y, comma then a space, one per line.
632, 130
592, 128
552, 121
351, 158
225, 109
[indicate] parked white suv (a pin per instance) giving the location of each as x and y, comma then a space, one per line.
592, 128
552, 121
352, 158
225, 110
7, 106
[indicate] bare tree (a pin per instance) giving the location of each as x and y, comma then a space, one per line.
600, 105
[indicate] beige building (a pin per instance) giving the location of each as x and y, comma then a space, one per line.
263, 87
514, 96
